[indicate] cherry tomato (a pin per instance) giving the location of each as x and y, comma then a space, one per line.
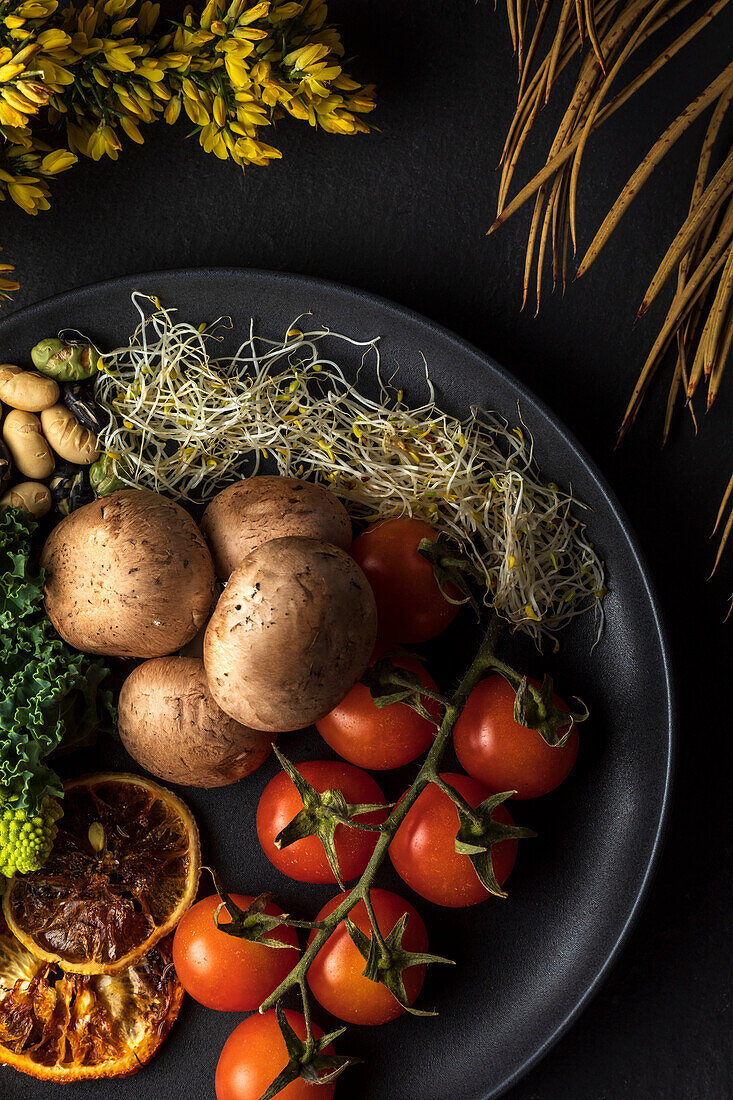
336, 974
410, 605
382, 738
505, 756
255, 1053
225, 972
423, 849
305, 860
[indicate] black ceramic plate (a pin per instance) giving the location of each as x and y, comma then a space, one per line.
525, 966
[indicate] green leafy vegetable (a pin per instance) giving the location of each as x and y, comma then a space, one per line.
51, 696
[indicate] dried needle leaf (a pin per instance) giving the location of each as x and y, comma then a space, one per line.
726, 497
661, 147
715, 194
723, 354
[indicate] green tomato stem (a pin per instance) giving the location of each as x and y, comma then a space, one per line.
435, 695
428, 773
458, 799
309, 1040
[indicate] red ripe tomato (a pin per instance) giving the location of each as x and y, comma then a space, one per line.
305, 860
336, 974
505, 756
410, 605
423, 849
255, 1053
382, 738
225, 972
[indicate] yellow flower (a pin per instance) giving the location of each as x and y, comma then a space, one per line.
283, 12
220, 111
190, 90
19, 137
131, 129
120, 57
16, 99
122, 26
260, 71
103, 142
10, 116
237, 71
212, 141
363, 101
53, 38
255, 13
305, 56
175, 60
58, 161
161, 92
172, 110
249, 111
29, 194
117, 7
56, 76
78, 138
26, 54
12, 69
345, 83
209, 14
298, 109
36, 9
134, 104
196, 112
249, 34
148, 17
151, 69
7, 286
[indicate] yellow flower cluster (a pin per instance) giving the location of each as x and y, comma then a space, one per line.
86, 77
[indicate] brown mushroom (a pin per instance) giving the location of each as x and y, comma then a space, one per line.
171, 725
291, 635
261, 508
128, 575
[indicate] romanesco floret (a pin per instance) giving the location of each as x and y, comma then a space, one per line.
25, 842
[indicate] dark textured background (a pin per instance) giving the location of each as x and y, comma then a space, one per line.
403, 213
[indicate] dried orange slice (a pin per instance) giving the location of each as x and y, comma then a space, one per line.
123, 870
70, 1027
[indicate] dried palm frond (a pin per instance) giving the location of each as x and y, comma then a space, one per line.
584, 24
699, 322
623, 26
702, 252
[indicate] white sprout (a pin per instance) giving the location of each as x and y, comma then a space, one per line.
186, 423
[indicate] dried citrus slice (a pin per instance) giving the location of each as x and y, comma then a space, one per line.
68, 1027
123, 870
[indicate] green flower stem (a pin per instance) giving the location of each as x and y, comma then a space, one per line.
428, 773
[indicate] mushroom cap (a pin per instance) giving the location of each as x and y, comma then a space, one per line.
128, 575
172, 726
258, 509
291, 634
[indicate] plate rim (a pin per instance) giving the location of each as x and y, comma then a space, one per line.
125, 283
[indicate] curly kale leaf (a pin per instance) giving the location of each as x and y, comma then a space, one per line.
51, 696
21, 590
